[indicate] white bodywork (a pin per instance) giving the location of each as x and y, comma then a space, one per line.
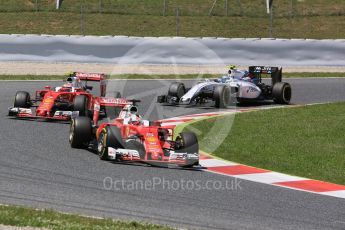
18, 110
132, 154
237, 74
204, 86
70, 89
112, 153
246, 89
28, 112
72, 114
183, 156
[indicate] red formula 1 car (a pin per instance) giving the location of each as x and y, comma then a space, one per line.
61, 103
129, 138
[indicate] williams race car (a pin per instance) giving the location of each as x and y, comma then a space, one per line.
128, 138
238, 86
72, 99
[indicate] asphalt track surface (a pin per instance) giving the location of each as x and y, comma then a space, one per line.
39, 169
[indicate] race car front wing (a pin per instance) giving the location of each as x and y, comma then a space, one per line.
27, 113
175, 158
167, 99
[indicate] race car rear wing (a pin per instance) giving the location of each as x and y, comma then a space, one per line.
275, 72
113, 102
104, 102
90, 76
95, 77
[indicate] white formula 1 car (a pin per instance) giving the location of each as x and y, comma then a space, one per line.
238, 86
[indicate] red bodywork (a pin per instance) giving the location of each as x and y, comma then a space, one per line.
51, 98
149, 135
134, 139
64, 96
157, 141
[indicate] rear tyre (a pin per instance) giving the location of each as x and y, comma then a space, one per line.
22, 100
80, 104
135, 145
281, 93
110, 136
177, 89
80, 132
221, 96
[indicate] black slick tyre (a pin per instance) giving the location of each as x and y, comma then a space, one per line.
188, 142
110, 136
221, 96
281, 93
177, 89
80, 132
80, 104
22, 100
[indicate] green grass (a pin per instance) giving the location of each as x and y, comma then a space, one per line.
319, 27
303, 19
254, 8
306, 141
159, 76
20, 216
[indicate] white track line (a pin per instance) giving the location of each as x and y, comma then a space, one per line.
269, 177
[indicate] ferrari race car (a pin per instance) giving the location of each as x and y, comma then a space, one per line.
238, 86
128, 138
72, 99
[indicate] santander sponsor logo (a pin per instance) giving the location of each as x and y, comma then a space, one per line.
106, 100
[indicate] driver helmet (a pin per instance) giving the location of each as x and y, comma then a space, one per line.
69, 80
133, 110
70, 74
72, 82
132, 115
231, 68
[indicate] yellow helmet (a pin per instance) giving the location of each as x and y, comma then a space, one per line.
70, 74
231, 66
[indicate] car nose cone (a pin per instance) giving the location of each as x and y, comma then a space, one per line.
185, 100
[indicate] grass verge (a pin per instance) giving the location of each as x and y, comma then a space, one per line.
313, 26
305, 141
163, 76
20, 216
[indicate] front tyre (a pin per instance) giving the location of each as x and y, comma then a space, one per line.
110, 136
281, 93
177, 89
80, 132
188, 143
221, 96
22, 100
